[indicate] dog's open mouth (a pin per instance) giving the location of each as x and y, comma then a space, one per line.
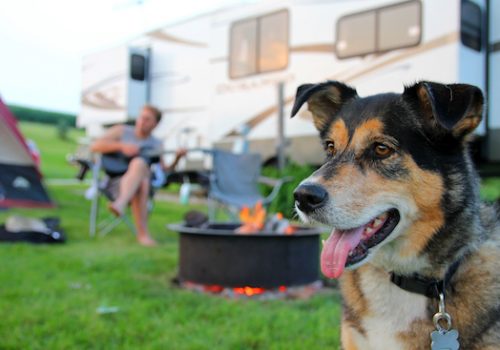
348, 247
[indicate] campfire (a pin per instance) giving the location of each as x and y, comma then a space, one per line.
254, 221
259, 257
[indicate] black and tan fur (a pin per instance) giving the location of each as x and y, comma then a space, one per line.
429, 177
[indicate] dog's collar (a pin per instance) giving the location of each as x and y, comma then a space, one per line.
429, 287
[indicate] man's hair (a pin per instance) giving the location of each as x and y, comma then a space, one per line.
155, 111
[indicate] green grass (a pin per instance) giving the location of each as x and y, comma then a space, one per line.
53, 149
49, 294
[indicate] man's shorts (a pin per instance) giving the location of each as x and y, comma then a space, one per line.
111, 187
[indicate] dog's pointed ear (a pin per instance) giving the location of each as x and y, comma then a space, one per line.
324, 100
452, 108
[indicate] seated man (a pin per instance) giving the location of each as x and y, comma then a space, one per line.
134, 185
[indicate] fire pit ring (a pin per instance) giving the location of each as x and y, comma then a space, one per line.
216, 255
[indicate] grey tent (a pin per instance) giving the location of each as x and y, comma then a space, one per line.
20, 179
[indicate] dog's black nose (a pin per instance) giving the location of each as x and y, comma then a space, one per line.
309, 197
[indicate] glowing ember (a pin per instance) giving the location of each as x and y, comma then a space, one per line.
246, 290
213, 288
294, 292
249, 291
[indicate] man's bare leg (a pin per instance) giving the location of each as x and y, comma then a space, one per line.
139, 205
137, 171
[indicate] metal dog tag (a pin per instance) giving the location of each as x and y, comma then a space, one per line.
445, 340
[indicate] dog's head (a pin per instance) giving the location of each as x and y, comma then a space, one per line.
390, 159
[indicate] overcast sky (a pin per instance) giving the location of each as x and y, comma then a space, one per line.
42, 41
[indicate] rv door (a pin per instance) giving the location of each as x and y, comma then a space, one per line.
494, 82
138, 80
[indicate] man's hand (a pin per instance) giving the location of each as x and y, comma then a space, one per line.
129, 149
181, 152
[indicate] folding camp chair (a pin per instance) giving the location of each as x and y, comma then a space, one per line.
100, 188
234, 182
104, 167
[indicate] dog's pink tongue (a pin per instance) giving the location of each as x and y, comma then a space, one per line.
336, 250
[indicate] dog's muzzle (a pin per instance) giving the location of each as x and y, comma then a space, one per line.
309, 197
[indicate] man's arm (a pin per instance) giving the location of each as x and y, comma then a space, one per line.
110, 142
178, 156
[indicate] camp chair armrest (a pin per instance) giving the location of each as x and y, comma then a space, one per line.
275, 183
270, 181
83, 165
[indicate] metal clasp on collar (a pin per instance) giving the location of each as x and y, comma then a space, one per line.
443, 338
442, 315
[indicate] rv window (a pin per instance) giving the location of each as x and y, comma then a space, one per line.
243, 53
273, 43
379, 30
137, 67
399, 26
259, 45
356, 35
471, 30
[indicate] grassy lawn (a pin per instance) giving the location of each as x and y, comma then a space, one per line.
52, 148
49, 294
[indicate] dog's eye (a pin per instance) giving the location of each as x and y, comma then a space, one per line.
330, 147
382, 151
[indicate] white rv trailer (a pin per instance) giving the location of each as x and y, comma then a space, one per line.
217, 76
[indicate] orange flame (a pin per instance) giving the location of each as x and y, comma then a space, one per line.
253, 220
290, 230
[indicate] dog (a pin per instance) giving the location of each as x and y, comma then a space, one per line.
416, 252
